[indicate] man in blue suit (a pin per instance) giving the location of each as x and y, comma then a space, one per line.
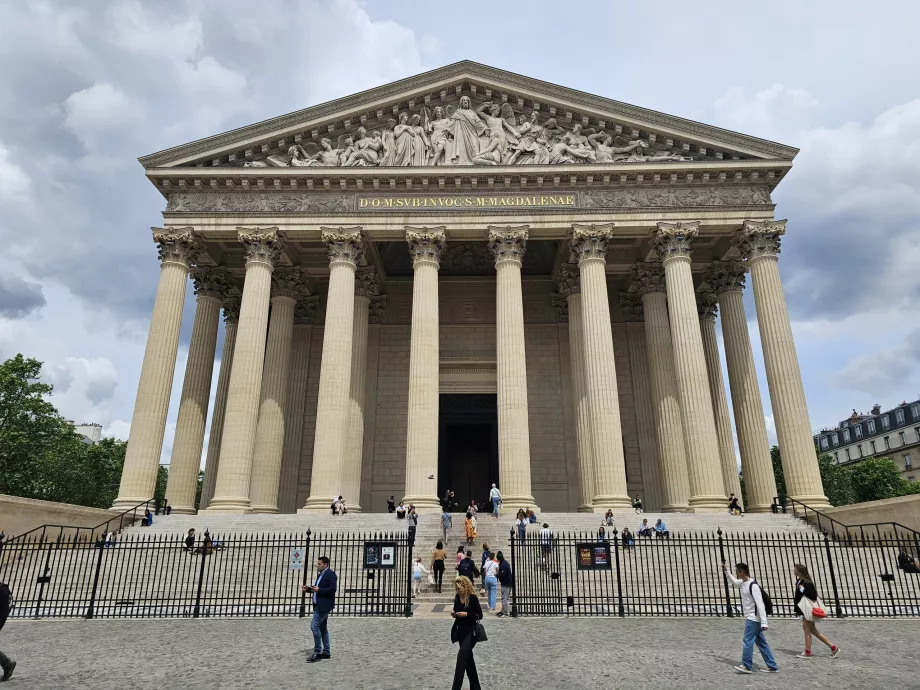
323, 590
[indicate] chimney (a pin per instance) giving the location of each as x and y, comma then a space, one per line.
876, 410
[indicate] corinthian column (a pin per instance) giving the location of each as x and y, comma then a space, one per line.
707, 307
707, 493
288, 285
304, 311
508, 244
231, 319
345, 248
211, 286
759, 242
425, 248
569, 286
648, 284
231, 493
177, 249
589, 244
365, 287
727, 281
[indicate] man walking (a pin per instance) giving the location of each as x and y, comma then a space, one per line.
506, 580
5, 601
496, 497
755, 614
447, 523
323, 590
546, 544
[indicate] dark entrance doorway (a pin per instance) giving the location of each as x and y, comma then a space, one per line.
468, 448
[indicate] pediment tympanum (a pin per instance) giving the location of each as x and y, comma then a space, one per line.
468, 115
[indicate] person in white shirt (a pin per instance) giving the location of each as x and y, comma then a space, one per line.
546, 543
755, 614
490, 578
417, 571
495, 497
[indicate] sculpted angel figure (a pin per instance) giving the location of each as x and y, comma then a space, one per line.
498, 123
439, 132
466, 127
388, 141
366, 149
532, 148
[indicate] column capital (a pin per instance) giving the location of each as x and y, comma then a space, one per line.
176, 245
589, 240
366, 284
675, 240
232, 309
305, 309
725, 276
561, 305
289, 281
648, 277
707, 305
760, 238
377, 308
631, 306
213, 282
426, 244
262, 245
508, 242
568, 281
343, 244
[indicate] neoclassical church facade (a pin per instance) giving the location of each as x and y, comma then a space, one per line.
463, 278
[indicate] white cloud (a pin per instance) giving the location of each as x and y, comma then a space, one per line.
136, 30
15, 183
97, 113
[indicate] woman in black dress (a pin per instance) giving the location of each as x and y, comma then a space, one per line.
805, 588
466, 613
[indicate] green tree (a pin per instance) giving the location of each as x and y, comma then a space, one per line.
159, 492
873, 479
836, 481
778, 473
199, 488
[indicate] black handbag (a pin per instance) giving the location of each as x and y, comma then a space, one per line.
480, 632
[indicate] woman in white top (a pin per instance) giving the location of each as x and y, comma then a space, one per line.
417, 571
490, 579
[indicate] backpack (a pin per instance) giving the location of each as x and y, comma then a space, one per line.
467, 568
504, 574
6, 601
767, 601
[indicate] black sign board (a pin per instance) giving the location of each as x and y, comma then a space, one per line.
593, 555
380, 554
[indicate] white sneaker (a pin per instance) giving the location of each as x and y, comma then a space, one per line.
768, 670
805, 655
835, 651
742, 669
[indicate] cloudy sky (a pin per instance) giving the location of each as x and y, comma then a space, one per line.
87, 87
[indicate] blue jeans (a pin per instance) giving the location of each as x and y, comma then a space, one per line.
495, 502
753, 634
491, 585
320, 632
522, 531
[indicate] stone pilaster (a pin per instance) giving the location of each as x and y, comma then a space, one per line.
569, 287
589, 244
648, 284
263, 247
366, 287
707, 493
345, 248
231, 319
707, 306
425, 247
759, 243
211, 287
652, 495
508, 244
177, 250
295, 406
727, 281
288, 286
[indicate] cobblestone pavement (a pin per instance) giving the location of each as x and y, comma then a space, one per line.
397, 653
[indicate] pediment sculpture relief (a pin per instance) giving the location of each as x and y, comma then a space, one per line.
489, 134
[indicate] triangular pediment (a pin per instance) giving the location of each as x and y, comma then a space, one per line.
442, 118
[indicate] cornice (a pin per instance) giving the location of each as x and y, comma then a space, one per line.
453, 77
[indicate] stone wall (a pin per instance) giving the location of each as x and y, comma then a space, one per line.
18, 515
904, 509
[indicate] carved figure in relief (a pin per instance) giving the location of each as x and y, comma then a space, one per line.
500, 121
367, 150
439, 131
491, 154
579, 142
535, 141
421, 146
466, 128
346, 148
388, 140
325, 157
403, 134
563, 152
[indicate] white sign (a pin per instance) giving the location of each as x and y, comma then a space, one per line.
296, 559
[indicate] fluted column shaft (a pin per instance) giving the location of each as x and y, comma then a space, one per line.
707, 491
589, 243
508, 245
231, 492
196, 392
177, 251
345, 248
582, 413
759, 243
730, 478
669, 425
645, 417
759, 480
357, 396
425, 246
231, 318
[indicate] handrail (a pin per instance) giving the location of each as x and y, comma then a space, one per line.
90, 530
812, 516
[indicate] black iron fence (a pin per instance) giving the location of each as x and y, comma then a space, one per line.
839, 531
159, 576
581, 575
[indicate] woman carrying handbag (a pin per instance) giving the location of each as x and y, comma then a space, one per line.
807, 602
466, 631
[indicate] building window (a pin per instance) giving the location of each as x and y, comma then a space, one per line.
915, 410
859, 449
917, 431
899, 416
871, 425
824, 443
835, 439
848, 454
908, 465
846, 435
901, 437
836, 457
885, 423
874, 449
887, 443
858, 431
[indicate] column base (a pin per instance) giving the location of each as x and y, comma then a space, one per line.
708, 504
230, 505
182, 510
423, 504
269, 510
585, 508
677, 508
600, 504
816, 502
317, 504
758, 509
513, 504
120, 505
